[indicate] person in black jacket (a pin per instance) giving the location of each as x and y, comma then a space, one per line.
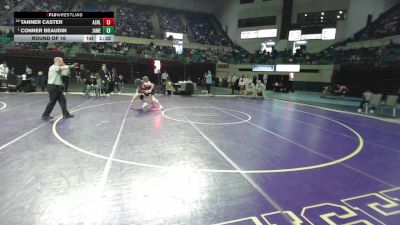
105, 79
114, 81
236, 84
84, 75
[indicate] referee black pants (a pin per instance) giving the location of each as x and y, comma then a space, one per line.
56, 94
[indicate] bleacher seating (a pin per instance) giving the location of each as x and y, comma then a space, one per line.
48, 5
117, 49
375, 69
203, 32
95, 8
388, 24
5, 7
134, 22
170, 21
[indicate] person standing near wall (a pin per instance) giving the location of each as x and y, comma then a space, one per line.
121, 81
3, 71
290, 82
209, 82
84, 75
40, 80
233, 83
28, 72
54, 87
242, 84
105, 79
115, 80
164, 78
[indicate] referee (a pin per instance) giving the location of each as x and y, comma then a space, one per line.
54, 87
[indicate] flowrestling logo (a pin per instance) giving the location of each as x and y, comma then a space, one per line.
64, 15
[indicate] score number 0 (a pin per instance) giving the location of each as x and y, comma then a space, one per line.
108, 21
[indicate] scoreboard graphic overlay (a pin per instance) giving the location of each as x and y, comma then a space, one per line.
64, 26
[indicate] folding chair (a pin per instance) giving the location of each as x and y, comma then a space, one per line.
9, 84
189, 89
391, 102
3, 85
374, 102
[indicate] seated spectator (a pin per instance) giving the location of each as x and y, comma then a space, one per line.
249, 89
325, 91
242, 84
91, 84
365, 99
341, 90
259, 89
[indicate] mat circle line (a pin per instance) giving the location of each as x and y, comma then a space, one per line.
206, 123
4, 105
155, 166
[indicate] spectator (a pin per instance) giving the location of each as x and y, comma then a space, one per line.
3, 72
325, 91
28, 71
250, 89
365, 99
209, 82
121, 81
203, 83
242, 84
341, 90
169, 87
114, 81
234, 84
91, 84
40, 80
164, 78
259, 89
83, 75
105, 80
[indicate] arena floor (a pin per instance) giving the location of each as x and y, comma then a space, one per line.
203, 160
